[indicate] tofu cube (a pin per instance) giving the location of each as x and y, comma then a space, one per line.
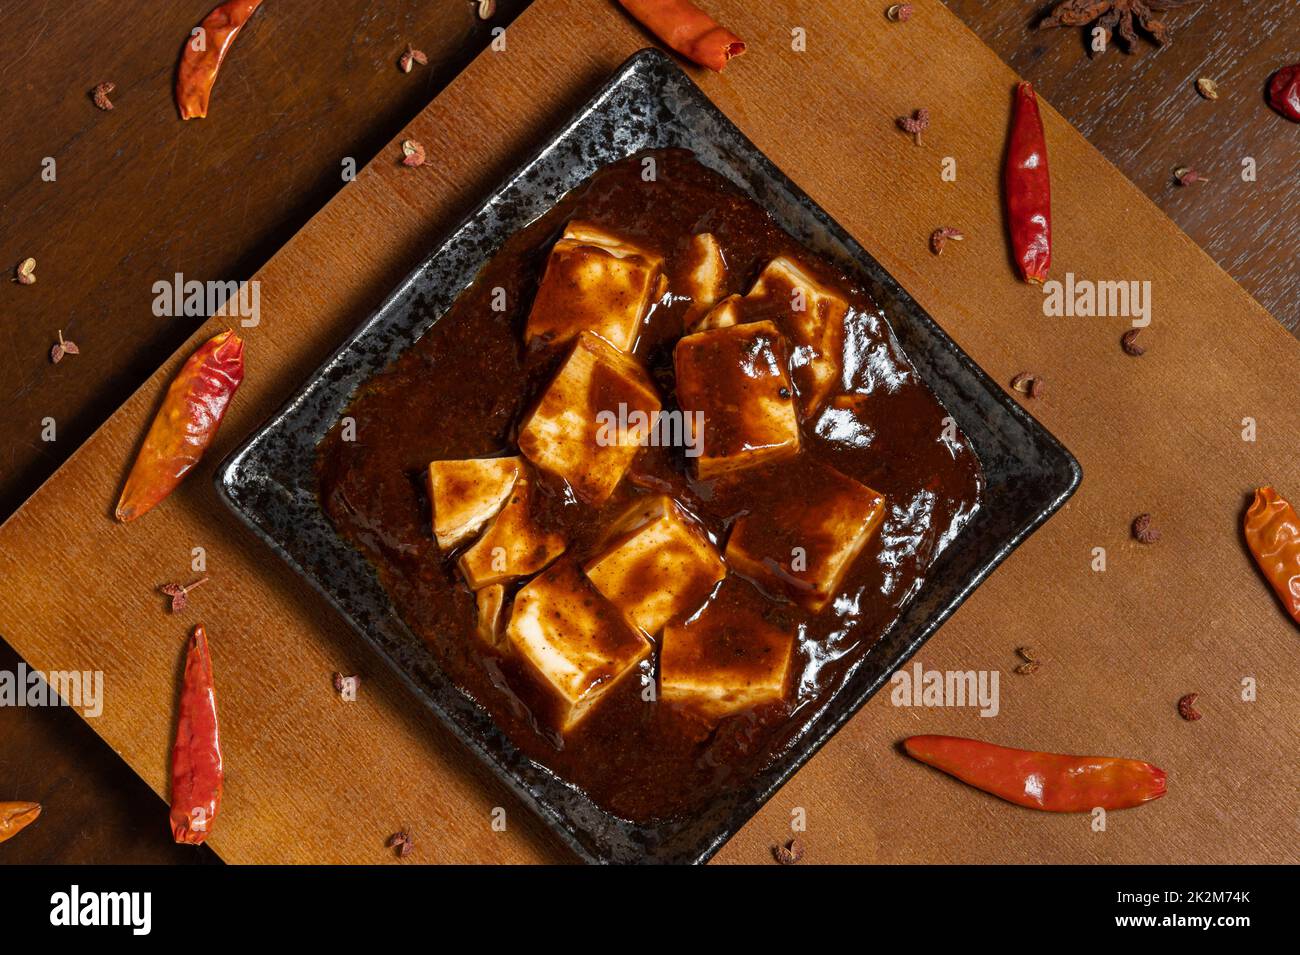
594, 282
726, 658
592, 420
706, 274
733, 386
801, 545
491, 604
658, 564
722, 315
468, 494
813, 315
574, 641
514, 544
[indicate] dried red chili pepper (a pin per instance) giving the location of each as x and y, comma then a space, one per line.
1273, 536
198, 68
197, 773
1028, 189
1047, 781
687, 29
17, 816
185, 424
1284, 92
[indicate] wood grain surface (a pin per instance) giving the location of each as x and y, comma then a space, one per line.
315, 779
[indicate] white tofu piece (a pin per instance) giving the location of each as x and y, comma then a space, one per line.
657, 564
813, 315
722, 315
706, 275
801, 545
467, 494
732, 383
575, 642
592, 420
491, 617
596, 282
514, 545
726, 658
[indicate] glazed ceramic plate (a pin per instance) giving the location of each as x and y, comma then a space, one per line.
649, 103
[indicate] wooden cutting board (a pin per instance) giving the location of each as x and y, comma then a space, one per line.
315, 779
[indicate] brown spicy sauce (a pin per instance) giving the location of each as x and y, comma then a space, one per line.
461, 392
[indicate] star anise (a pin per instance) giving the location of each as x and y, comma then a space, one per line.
1117, 15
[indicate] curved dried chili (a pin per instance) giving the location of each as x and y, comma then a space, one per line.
1028, 189
197, 772
185, 425
204, 53
1049, 781
688, 30
1272, 531
17, 816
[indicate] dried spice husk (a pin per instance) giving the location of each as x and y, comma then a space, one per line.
412, 153
100, 95
788, 854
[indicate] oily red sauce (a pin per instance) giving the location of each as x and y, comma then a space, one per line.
461, 391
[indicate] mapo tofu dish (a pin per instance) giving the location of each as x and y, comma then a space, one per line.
652, 487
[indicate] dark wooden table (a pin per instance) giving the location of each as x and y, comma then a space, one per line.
139, 197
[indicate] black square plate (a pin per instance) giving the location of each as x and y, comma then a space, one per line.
649, 103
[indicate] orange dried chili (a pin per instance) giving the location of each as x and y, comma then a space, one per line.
197, 772
688, 30
1047, 781
17, 816
185, 424
1028, 189
1273, 536
204, 53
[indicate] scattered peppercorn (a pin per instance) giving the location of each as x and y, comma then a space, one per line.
1185, 176
100, 95
1028, 384
1143, 531
1129, 342
410, 58
900, 12
939, 238
63, 347
180, 595
915, 124
412, 153
788, 854
402, 842
341, 681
